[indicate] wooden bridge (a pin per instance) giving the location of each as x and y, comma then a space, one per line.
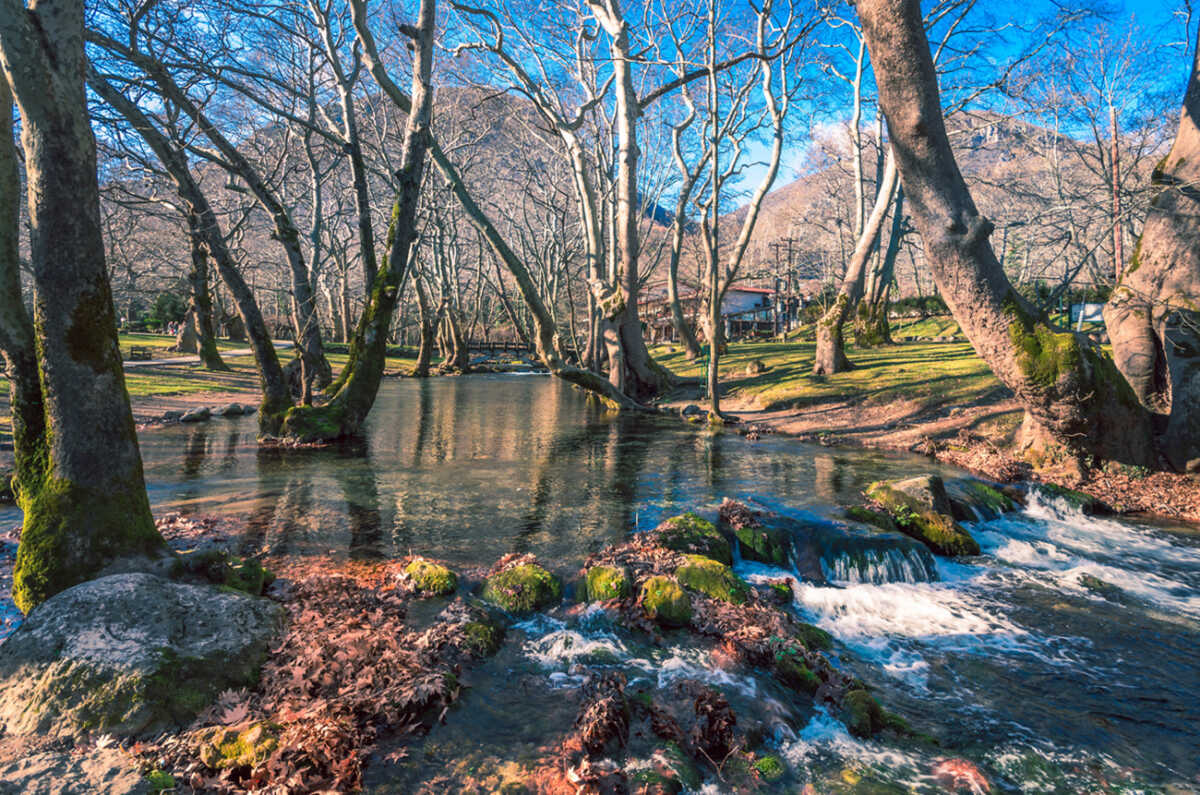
499, 347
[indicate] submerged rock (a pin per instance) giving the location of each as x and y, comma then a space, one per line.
972, 499
665, 602
523, 588
693, 534
714, 580
1084, 503
921, 508
130, 654
606, 582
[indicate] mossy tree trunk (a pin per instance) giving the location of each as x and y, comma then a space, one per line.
202, 221
27, 411
1077, 404
85, 503
345, 412
425, 319
831, 344
1153, 316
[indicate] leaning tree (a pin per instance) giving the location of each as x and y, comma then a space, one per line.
1077, 403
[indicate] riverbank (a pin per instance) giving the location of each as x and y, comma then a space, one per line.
934, 398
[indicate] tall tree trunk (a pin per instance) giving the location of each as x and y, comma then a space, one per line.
871, 326
425, 319
1077, 404
1152, 316
201, 311
86, 505
26, 408
831, 345
277, 396
345, 412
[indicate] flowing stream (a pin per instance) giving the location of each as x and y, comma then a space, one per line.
1014, 659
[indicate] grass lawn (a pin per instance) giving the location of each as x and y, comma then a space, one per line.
160, 344
933, 373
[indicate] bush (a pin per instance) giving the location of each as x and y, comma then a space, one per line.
168, 308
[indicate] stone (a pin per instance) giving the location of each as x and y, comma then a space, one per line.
522, 589
691, 410
972, 499
196, 415
108, 770
1085, 503
607, 582
921, 509
693, 534
172, 416
763, 544
665, 602
223, 747
714, 580
1193, 465
430, 577
231, 410
130, 654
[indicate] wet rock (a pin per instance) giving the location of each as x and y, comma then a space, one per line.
972, 499
130, 654
523, 588
792, 669
469, 626
883, 521
108, 770
862, 714
665, 602
201, 414
430, 577
231, 410
695, 535
607, 582
1084, 503
714, 580
217, 566
691, 410
921, 508
1102, 588
172, 416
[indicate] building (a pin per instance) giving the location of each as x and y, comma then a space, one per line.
747, 311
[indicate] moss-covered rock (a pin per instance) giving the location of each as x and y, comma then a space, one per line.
606, 582
793, 671
714, 580
971, 499
864, 515
220, 568
130, 654
692, 534
862, 714
159, 780
483, 638
763, 544
935, 528
523, 589
770, 768
1102, 588
813, 637
222, 747
1084, 503
431, 578
665, 602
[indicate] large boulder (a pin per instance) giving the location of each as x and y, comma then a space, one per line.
921, 508
108, 770
130, 654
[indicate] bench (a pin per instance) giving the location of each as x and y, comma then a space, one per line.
139, 353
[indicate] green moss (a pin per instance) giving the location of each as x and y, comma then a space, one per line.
222, 748
483, 639
691, 533
858, 513
159, 780
763, 544
862, 714
681, 765
714, 580
246, 575
770, 768
793, 671
1076, 499
1043, 354
991, 498
782, 590
431, 578
813, 637
522, 589
937, 531
665, 602
72, 532
249, 576
607, 582
313, 424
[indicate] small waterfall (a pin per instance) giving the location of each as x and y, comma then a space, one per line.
880, 566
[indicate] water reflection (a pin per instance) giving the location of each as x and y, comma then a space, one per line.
475, 467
